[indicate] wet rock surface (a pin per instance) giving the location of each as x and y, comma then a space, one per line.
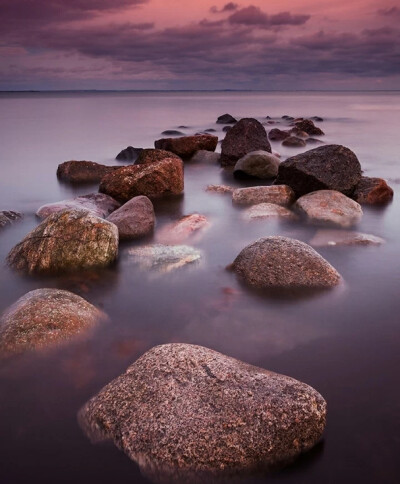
264, 211
8, 217
257, 164
129, 154
152, 180
284, 263
331, 237
45, 318
83, 171
183, 229
277, 194
330, 167
190, 408
164, 258
245, 136
186, 146
66, 241
134, 219
151, 155
372, 191
329, 207
98, 204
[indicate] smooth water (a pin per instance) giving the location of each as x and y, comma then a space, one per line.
344, 342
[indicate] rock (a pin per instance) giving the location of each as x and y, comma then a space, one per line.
247, 135
225, 129
98, 204
129, 154
186, 407
134, 219
283, 263
157, 179
226, 119
163, 258
277, 194
204, 156
45, 318
172, 132
219, 189
313, 141
183, 229
266, 211
186, 146
372, 191
326, 238
83, 171
309, 127
278, 135
287, 118
259, 164
8, 217
317, 118
330, 167
299, 133
151, 155
329, 207
65, 241
293, 142
210, 130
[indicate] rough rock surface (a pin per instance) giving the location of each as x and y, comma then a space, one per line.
7, 217
331, 167
329, 207
186, 146
65, 241
277, 194
151, 155
278, 135
373, 191
204, 156
309, 127
99, 204
164, 258
245, 136
329, 237
283, 263
226, 119
294, 142
83, 171
44, 318
134, 219
258, 164
183, 229
129, 154
188, 407
153, 180
219, 188
268, 211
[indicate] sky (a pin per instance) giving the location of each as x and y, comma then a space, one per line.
202, 44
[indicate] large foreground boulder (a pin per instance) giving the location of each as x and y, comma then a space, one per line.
257, 164
277, 194
66, 241
183, 407
328, 207
245, 136
372, 191
186, 146
99, 204
152, 180
45, 318
283, 263
151, 155
331, 167
134, 219
83, 171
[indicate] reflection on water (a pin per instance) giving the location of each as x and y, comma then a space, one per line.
342, 342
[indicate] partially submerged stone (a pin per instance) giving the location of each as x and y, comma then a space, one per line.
372, 191
66, 241
45, 318
219, 189
151, 155
99, 204
294, 142
204, 156
309, 127
278, 135
186, 146
8, 217
134, 219
284, 263
188, 408
263, 211
129, 154
226, 119
278, 194
83, 171
257, 164
329, 207
331, 237
163, 258
183, 229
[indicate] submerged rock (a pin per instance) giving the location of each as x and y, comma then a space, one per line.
184, 228
157, 179
45, 318
8, 217
330, 167
266, 211
277, 194
83, 171
372, 191
134, 219
226, 119
258, 164
329, 237
98, 204
246, 136
66, 241
186, 407
204, 156
129, 154
172, 132
219, 188
294, 142
283, 263
329, 207
151, 155
164, 258
186, 146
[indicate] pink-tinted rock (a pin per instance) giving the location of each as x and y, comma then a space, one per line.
219, 189
183, 229
373, 191
263, 211
134, 219
149, 155
278, 135
186, 146
277, 194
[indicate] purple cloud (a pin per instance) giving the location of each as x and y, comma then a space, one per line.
254, 16
229, 7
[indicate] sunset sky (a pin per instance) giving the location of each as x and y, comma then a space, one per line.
204, 44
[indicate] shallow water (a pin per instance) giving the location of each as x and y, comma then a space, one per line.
344, 342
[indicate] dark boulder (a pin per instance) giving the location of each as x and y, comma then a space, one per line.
128, 154
151, 155
226, 119
278, 135
309, 127
83, 171
172, 132
294, 142
372, 191
186, 146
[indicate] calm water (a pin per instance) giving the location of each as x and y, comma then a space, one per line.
345, 342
